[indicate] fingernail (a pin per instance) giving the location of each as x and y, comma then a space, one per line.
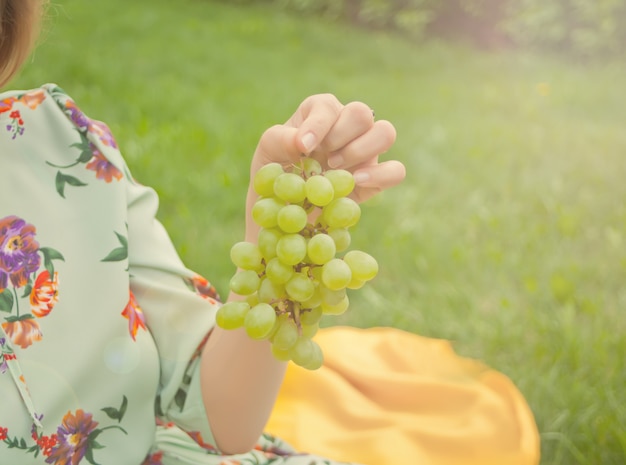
361, 177
335, 161
308, 140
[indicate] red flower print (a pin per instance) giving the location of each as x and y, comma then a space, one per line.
104, 168
72, 439
23, 332
135, 316
7, 104
4, 433
154, 459
18, 252
44, 294
197, 437
204, 288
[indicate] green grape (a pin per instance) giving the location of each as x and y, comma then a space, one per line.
252, 299
307, 354
283, 355
265, 211
342, 238
245, 282
270, 291
310, 167
290, 188
268, 238
315, 300
316, 359
231, 315
263, 182
336, 274
355, 283
319, 190
331, 297
364, 267
246, 255
342, 181
312, 316
292, 218
308, 331
278, 272
336, 309
260, 320
342, 213
300, 287
291, 249
321, 248
287, 333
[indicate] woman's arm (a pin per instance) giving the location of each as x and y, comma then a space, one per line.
240, 376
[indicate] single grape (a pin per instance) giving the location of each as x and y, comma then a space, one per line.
310, 167
231, 315
307, 354
282, 355
342, 213
291, 249
252, 299
312, 316
342, 181
302, 351
287, 333
315, 300
355, 283
245, 282
336, 309
316, 359
259, 321
292, 218
263, 182
278, 272
308, 331
270, 291
342, 238
331, 297
319, 190
246, 255
364, 267
265, 211
336, 274
290, 188
321, 248
268, 238
300, 287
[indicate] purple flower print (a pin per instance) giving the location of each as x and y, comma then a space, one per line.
18, 252
72, 438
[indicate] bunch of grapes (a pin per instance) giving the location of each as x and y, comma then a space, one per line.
293, 274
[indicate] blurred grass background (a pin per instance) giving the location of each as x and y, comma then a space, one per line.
508, 236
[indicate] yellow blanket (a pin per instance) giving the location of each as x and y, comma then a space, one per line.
385, 396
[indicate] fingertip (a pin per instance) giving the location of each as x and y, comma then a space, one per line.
308, 142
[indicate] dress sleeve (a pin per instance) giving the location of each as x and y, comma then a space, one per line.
173, 303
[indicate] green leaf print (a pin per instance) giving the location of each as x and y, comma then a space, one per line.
120, 253
6, 301
117, 414
63, 179
50, 254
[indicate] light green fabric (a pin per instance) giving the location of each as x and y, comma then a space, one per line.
97, 310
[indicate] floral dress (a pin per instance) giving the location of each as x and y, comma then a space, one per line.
101, 323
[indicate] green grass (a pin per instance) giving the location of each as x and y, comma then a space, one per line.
508, 236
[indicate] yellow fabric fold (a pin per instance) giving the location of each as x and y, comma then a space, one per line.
385, 396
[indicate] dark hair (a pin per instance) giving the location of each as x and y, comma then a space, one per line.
19, 24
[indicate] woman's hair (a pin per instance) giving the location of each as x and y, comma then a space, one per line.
19, 25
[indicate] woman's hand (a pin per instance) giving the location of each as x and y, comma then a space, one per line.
338, 136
